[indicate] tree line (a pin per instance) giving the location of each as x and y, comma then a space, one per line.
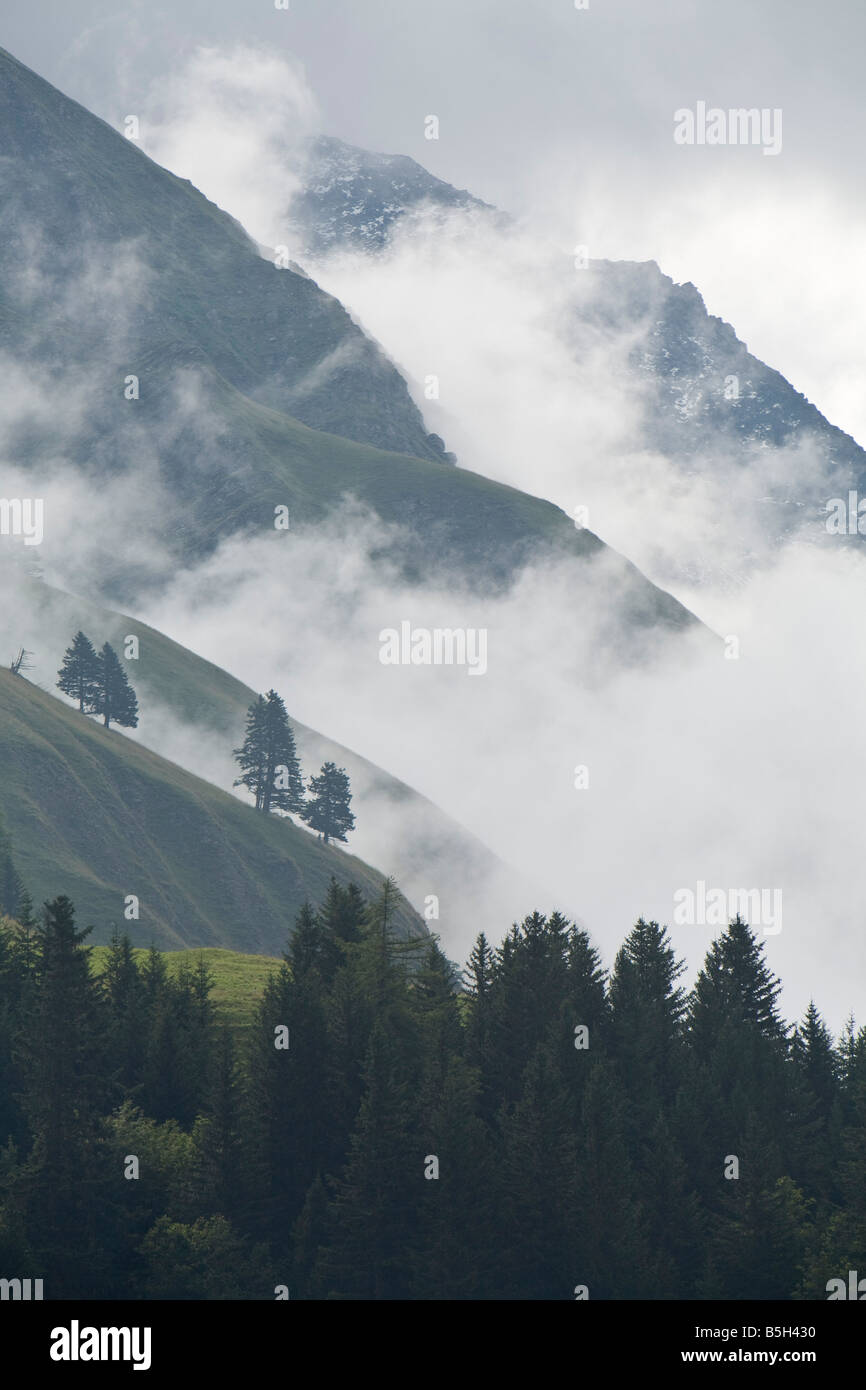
387, 1129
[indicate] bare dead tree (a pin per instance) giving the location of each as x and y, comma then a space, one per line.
21, 662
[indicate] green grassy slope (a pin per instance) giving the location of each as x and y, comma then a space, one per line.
171, 677
97, 816
193, 713
236, 460
238, 979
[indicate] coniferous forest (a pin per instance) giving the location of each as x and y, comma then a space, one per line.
385, 1128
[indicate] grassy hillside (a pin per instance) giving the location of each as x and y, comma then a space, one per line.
238, 979
98, 817
170, 678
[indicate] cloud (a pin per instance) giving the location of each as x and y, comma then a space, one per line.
740, 773
232, 120
523, 364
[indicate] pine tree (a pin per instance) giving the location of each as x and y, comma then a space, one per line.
11, 887
269, 759
341, 921
180, 1035
307, 947
539, 1174
740, 1090
374, 1215
13, 997
815, 1056
547, 982
328, 808
613, 1244
79, 676
370, 986
125, 995
284, 786
286, 1125
63, 1064
309, 1239
114, 697
459, 1211
735, 985
646, 1030
478, 979
819, 1108
216, 1135
252, 756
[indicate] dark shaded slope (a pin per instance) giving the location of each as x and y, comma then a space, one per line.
104, 253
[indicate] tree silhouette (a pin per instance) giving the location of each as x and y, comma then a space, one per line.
114, 697
268, 758
328, 807
79, 675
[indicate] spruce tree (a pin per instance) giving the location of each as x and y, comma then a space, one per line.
286, 1125
540, 1176
125, 995
818, 1108
328, 807
341, 921
740, 1092
79, 675
734, 986
613, 1245
459, 1210
309, 1239
284, 786
217, 1137
478, 981
63, 1065
252, 756
114, 697
377, 1202
646, 1029
268, 758
11, 887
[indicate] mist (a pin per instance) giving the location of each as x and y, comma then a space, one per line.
608, 783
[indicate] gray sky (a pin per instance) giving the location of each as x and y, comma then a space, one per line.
568, 115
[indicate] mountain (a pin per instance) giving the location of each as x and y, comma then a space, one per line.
161, 361
129, 265
710, 405
353, 198
711, 401
95, 815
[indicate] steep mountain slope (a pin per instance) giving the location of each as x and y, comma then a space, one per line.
126, 262
193, 712
156, 349
708, 394
354, 198
709, 404
98, 817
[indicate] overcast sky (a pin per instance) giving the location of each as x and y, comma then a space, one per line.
567, 115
